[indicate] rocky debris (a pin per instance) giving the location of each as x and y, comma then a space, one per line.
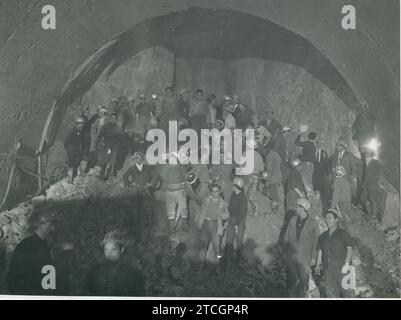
90, 207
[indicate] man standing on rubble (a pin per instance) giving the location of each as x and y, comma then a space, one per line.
237, 209
307, 157
173, 177
299, 244
334, 249
211, 223
76, 144
109, 146
30, 257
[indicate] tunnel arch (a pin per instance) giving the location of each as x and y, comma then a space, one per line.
200, 33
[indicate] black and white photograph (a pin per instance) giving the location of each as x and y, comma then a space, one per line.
200, 149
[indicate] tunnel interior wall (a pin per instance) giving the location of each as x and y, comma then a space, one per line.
35, 64
295, 96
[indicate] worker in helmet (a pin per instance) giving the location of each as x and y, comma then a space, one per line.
75, 145
299, 244
341, 199
237, 209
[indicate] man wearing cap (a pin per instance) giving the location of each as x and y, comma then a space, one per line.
237, 209
372, 192
364, 127
144, 113
274, 181
31, 255
183, 108
198, 111
334, 249
76, 145
271, 123
299, 243
321, 174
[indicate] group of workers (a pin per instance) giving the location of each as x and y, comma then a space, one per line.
217, 199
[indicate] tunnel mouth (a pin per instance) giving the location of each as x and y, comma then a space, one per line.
200, 33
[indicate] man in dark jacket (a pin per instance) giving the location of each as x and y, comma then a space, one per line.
109, 141
113, 277
321, 174
237, 209
31, 255
334, 255
372, 192
300, 242
77, 147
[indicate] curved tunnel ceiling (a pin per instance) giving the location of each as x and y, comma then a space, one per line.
204, 33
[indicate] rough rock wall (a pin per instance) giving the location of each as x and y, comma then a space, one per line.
35, 64
294, 94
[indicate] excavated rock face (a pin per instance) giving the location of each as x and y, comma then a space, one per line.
35, 64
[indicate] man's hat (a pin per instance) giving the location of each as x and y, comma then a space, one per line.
183, 91
142, 96
340, 171
226, 98
286, 129
342, 143
334, 212
269, 111
304, 204
80, 119
138, 154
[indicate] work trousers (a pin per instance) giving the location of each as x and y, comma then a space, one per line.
235, 233
209, 233
176, 204
332, 284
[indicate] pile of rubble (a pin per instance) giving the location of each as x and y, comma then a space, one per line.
90, 207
